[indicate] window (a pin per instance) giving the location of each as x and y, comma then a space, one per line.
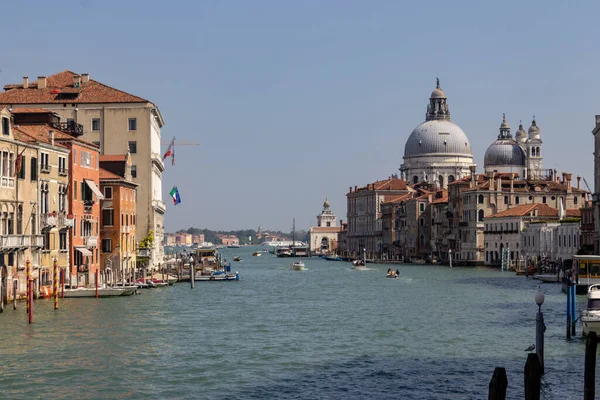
75, 226
44, 194
86, 159
33, 168
74, 156
62, 198
74, 190
5, 126
108, 192
108, 217
95, 124
86, 192
480, 216
62, 237
544, 199
62, 165
6, 168
480, 199
47, 240
106, 245
516, 199
133, 147
132, 124
21, 162
421, 207
450, 178
134, 171
505, 199
44, 162
574, 199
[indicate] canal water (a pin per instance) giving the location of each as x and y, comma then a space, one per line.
329, 332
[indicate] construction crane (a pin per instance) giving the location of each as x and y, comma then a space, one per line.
180, 143
587, 186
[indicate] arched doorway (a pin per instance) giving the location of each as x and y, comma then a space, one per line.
324, 245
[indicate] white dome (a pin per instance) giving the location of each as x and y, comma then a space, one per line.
437, 137
504, 152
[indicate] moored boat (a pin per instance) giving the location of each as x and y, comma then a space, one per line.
257, 254
102, 292
590, 317
297, 266
547, 278
217, 276
237, 258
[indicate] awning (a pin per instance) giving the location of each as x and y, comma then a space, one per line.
95, 189
84, 251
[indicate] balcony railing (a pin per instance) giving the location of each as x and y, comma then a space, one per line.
70, 127
157, 159
63, 171
91, 241
48, 221
45, 168
20, 241
64, 221
159, 205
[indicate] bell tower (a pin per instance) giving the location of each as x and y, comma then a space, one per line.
534, 151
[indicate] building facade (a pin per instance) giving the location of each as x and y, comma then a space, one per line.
323, 238
116, 122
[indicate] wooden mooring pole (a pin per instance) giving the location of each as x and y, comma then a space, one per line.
28, 269
30, 283
589, 375
15, 288
533, 377
1, 293
569, 309
55, 283
498, 385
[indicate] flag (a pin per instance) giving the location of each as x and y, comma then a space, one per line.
175, 195
171, 152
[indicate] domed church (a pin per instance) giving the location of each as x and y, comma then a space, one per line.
437, 150
521, 155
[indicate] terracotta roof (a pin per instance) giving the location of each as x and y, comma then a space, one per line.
20, 110
391, 184
104, 174
443, 197
39, 132
543, 210
398, 198
113, 157
60, 89
573, 212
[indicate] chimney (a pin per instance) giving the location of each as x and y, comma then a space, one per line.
564, 179
578, 182
568, 178
25, 82
85, 77
51, 137
473, 168
556, 177
76, 81
350, 190
41, 82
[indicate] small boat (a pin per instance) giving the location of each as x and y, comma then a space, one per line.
217, 276
158, 282
237, 258
358, 263
590, 317
233, 246
297, 266
332, 258
102, 292
257, 253
392, 274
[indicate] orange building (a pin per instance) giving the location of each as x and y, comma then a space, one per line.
118, 218
83, 192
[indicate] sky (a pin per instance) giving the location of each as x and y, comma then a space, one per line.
292, 101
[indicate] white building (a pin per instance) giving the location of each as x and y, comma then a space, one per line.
437, 151
324, 236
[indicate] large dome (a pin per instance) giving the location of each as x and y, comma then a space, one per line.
437, 137
504, 152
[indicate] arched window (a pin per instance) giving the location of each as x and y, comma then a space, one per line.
533, 151
415, 179
480, 216
516, 199
441, 180
450, 178
480, 199
537, 151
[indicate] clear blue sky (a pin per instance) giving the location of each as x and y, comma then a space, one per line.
293, 101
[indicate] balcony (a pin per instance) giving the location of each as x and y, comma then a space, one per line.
87, 205
158, 161
63, 171
21, 241
159, 206
71, 127
48, 221
91, 241
64, 221
45, 168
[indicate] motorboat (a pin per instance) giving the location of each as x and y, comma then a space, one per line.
102, 291
257, 254
358, 263
332, 258
217, 276
297, 266
237, 258
392, 273
590, 317
158, 282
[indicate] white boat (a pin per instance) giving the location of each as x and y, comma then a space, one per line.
297, 266
217, 276
590, 317
102, 292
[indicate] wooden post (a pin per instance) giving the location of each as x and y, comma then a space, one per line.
192, 280
498, 385
55, 283
573, 310
569, 309
533, 377
28, 269
1, 294
589, 376
96, 273
62, 282
15, 288
30, 299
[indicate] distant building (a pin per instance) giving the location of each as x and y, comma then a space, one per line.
198, 238
324, 236
170, 239
229, 240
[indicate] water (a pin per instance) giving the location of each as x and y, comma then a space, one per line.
329, 332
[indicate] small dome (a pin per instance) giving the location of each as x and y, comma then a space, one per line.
520, 134
504, 152
534, 130
326, 203
437, 137
504, 124
438, 93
